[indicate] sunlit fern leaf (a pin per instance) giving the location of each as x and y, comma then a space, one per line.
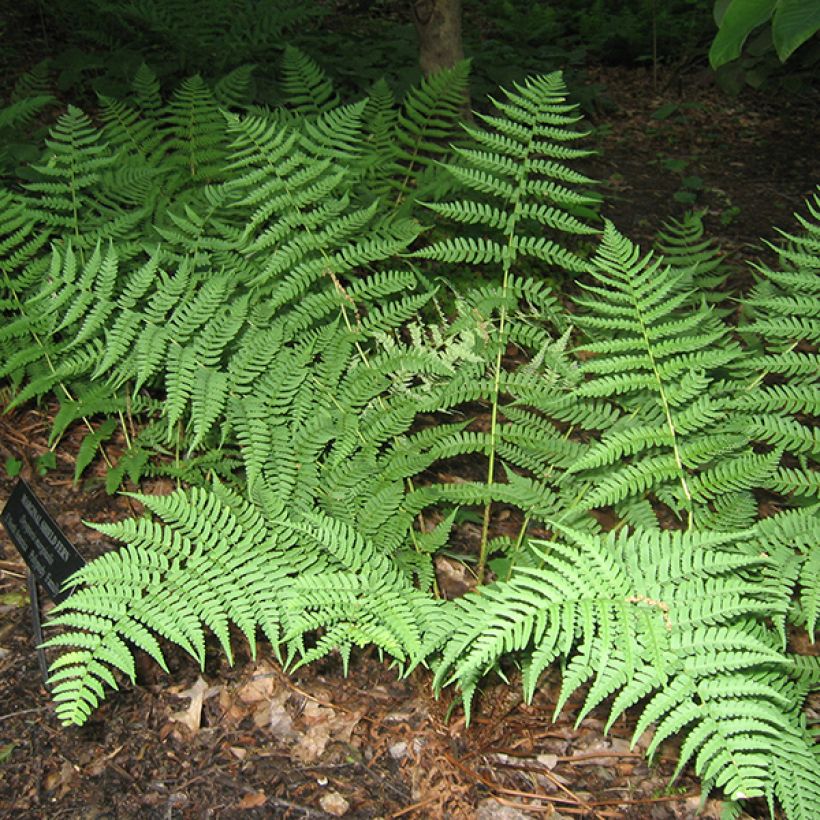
207, 565
662, 362
628, 612
526, 192
791, 537
783, 312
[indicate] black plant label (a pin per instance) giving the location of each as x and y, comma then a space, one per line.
50, 556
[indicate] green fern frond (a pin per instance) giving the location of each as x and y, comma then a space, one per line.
234, 90
685, 249
663, 363
426, 124
66, 180
643, 613
307, 89
195, 127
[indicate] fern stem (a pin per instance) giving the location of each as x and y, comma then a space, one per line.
517, 546
485, 521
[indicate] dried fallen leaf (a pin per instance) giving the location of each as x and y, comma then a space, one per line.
260, 686
333, 803
312, 744
279, 721
253, 800
192, 716
62, 778
232, 711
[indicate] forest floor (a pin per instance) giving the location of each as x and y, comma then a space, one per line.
250, 741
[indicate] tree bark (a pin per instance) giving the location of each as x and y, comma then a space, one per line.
438, 23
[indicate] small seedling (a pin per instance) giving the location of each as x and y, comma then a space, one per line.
13, 466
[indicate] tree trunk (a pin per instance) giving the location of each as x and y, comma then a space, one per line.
438, 23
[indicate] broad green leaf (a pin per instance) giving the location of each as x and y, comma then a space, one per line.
740, 19
794, 22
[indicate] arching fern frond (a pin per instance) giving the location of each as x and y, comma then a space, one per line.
672, 617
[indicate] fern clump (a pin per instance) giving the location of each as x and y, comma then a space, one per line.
235, 292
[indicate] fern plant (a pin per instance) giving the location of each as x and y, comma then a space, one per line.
236, 292
30, 97
323, 408
290, 189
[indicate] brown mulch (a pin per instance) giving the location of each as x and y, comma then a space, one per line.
251, 741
